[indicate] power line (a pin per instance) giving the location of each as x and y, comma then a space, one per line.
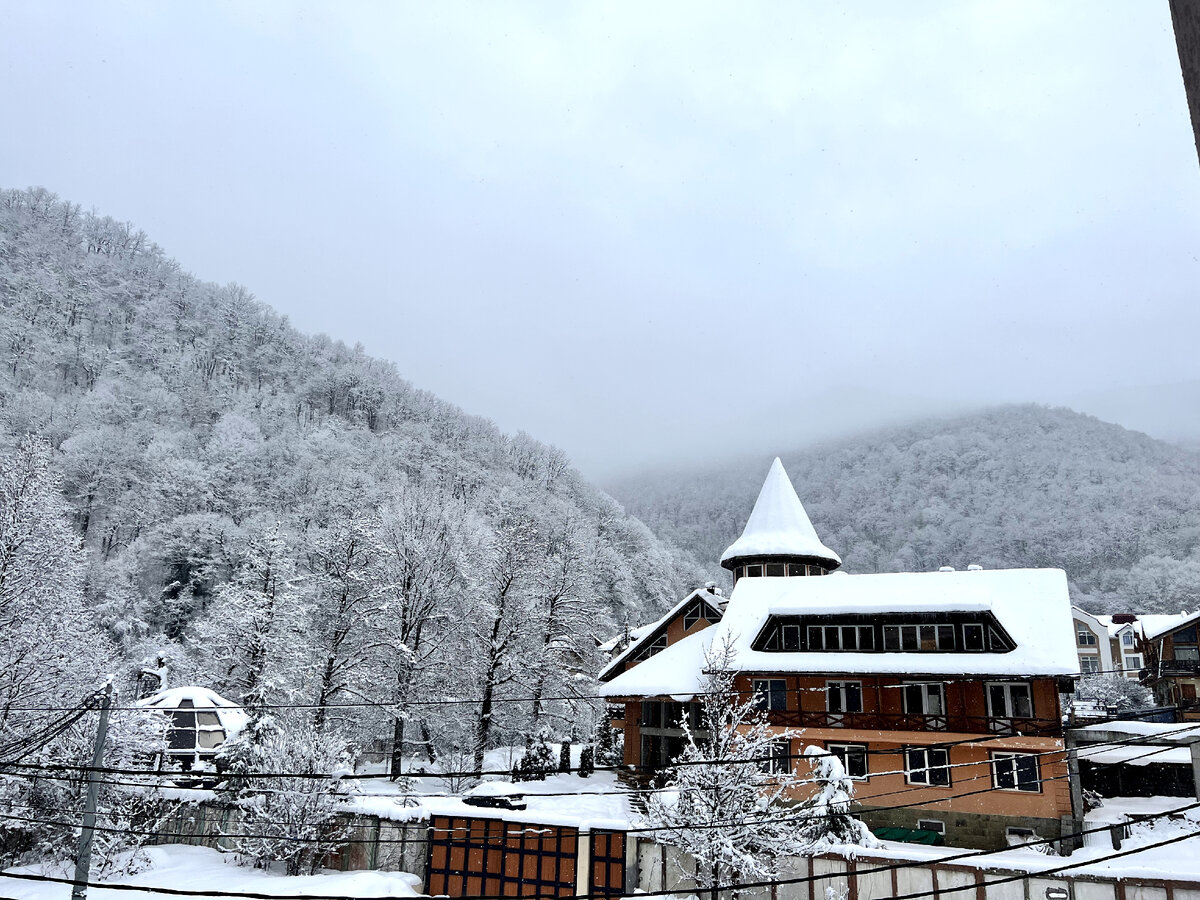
250, 895
791, 816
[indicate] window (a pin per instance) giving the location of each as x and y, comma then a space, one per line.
935, 825
658, 645
699, 610
1127, 639
926, 699
1016, 772
652, 714
972, 637
795, 569
778, 760
927, 765
770, 693
843, 696
1085, 637
753, 571
1009, 700
901, 637
841, 637
775, 570
1089, 664
193, 729
1133, 661
853, 757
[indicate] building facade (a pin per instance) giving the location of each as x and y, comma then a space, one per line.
940, 692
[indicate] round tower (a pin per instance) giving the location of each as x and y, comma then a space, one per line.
779, 540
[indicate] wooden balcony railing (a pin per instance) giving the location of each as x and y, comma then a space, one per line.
1179, 667
870, 721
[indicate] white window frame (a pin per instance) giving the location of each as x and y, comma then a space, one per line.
924, 774
840, 688
935, 718
1127, 639
1008, 715
1006, 760
1085, 668
779, 758
844, 752
1085, 637
766, 690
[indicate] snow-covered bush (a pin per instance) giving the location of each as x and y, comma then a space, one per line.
826, 819
538, 761
610, 744
294, 818
564, 756
587, 762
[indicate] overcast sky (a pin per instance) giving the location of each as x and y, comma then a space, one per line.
652, 231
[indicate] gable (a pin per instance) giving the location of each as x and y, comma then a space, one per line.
689, 616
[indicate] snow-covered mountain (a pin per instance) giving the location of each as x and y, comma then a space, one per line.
274, 511
1009, 486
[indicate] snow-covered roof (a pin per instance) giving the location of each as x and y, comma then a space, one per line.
1032, 605
677, 671
778, 525
646, 633
233, 717
1158, 625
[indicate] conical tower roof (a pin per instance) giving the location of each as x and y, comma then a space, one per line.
779, 527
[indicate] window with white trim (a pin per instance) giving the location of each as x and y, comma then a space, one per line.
1009, 700
853, 758
1133, 661
1089, 664
1016, 772
1085, 638
927, 765
698, 610
658, 645
770, 693
935, 825
778, 758
924, 698
1127, 639
843, 696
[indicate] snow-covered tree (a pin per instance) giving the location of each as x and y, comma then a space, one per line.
291, 819
1114, 692
825, 821
728, 794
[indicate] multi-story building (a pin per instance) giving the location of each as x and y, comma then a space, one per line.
1172, 657
1108, 645
939, 691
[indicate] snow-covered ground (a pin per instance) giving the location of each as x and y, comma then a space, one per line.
199, 868
599, 801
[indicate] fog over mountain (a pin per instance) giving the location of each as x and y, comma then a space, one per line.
1005, 487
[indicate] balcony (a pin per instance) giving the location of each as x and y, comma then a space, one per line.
870, 721
1179, 667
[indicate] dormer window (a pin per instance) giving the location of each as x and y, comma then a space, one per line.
890, 633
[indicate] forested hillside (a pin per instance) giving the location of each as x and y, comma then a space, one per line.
281, 516
1012, 486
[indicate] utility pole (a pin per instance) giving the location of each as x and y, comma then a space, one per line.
83, 858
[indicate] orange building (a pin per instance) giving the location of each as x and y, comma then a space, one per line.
939, 691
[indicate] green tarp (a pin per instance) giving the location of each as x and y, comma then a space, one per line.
909, 836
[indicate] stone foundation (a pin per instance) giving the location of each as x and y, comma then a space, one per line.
970, 830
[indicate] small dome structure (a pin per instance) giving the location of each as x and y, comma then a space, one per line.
201, 721
779, 538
